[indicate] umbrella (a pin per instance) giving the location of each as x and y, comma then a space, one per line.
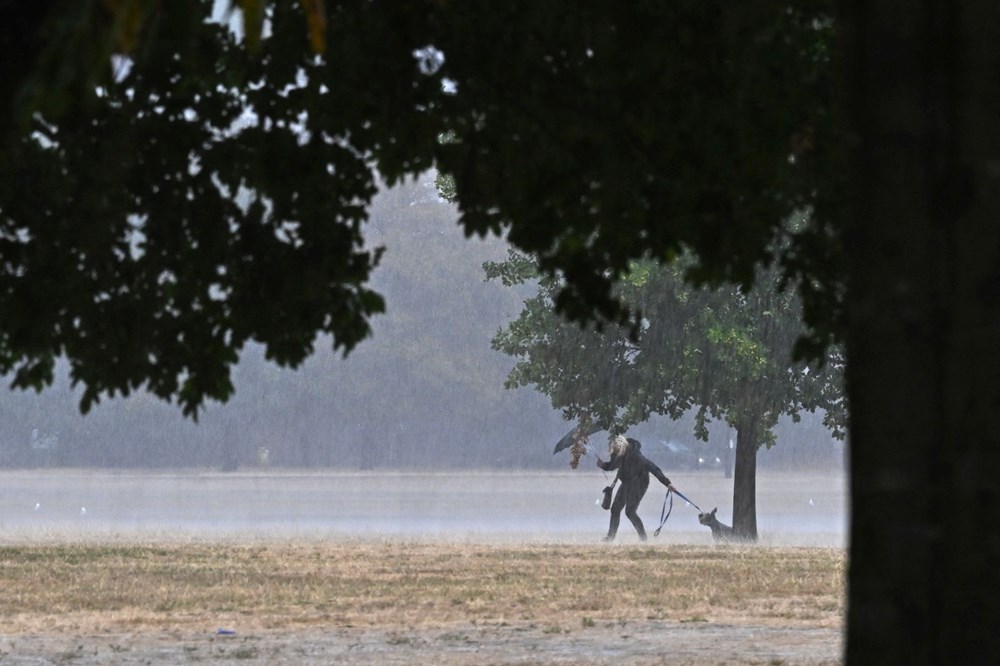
580, 429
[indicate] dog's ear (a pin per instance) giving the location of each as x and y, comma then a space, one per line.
714, 510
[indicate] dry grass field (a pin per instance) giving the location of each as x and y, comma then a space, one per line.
419, 602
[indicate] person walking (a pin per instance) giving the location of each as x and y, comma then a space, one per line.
633, 472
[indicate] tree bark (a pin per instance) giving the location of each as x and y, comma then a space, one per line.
727, 464
745, 482
923, 331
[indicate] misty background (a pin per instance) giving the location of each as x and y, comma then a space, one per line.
424, 392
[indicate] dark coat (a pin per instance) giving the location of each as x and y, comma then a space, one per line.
633, 466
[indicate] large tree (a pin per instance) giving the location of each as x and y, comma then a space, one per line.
724, 353
595, 134
923, 332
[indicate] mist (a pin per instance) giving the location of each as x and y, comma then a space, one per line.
796, 508
425, 391
411, 433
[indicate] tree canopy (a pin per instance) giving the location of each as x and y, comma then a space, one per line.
204, 197
157, 206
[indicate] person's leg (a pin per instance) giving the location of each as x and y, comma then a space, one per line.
616, 512
636, 492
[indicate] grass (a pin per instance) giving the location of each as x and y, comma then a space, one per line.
109, 588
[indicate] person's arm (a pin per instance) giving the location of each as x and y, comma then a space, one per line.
661, 477
614, 463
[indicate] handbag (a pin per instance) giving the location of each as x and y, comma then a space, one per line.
606, 502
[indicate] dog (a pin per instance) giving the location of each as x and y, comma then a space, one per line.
720, 531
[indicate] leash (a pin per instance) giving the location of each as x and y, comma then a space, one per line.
665, 511
681, 495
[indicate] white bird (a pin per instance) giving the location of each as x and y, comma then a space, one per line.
38, 505
811, 503
83, 511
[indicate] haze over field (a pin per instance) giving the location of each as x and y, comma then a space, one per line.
425, 392
805, 509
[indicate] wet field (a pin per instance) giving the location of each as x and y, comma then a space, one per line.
807, 509
303, 521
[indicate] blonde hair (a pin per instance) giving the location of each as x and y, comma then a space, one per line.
617, 445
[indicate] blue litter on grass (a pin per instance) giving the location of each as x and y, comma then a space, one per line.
225, 632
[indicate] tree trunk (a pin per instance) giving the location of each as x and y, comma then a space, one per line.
745, 482
727, 464
923, 339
